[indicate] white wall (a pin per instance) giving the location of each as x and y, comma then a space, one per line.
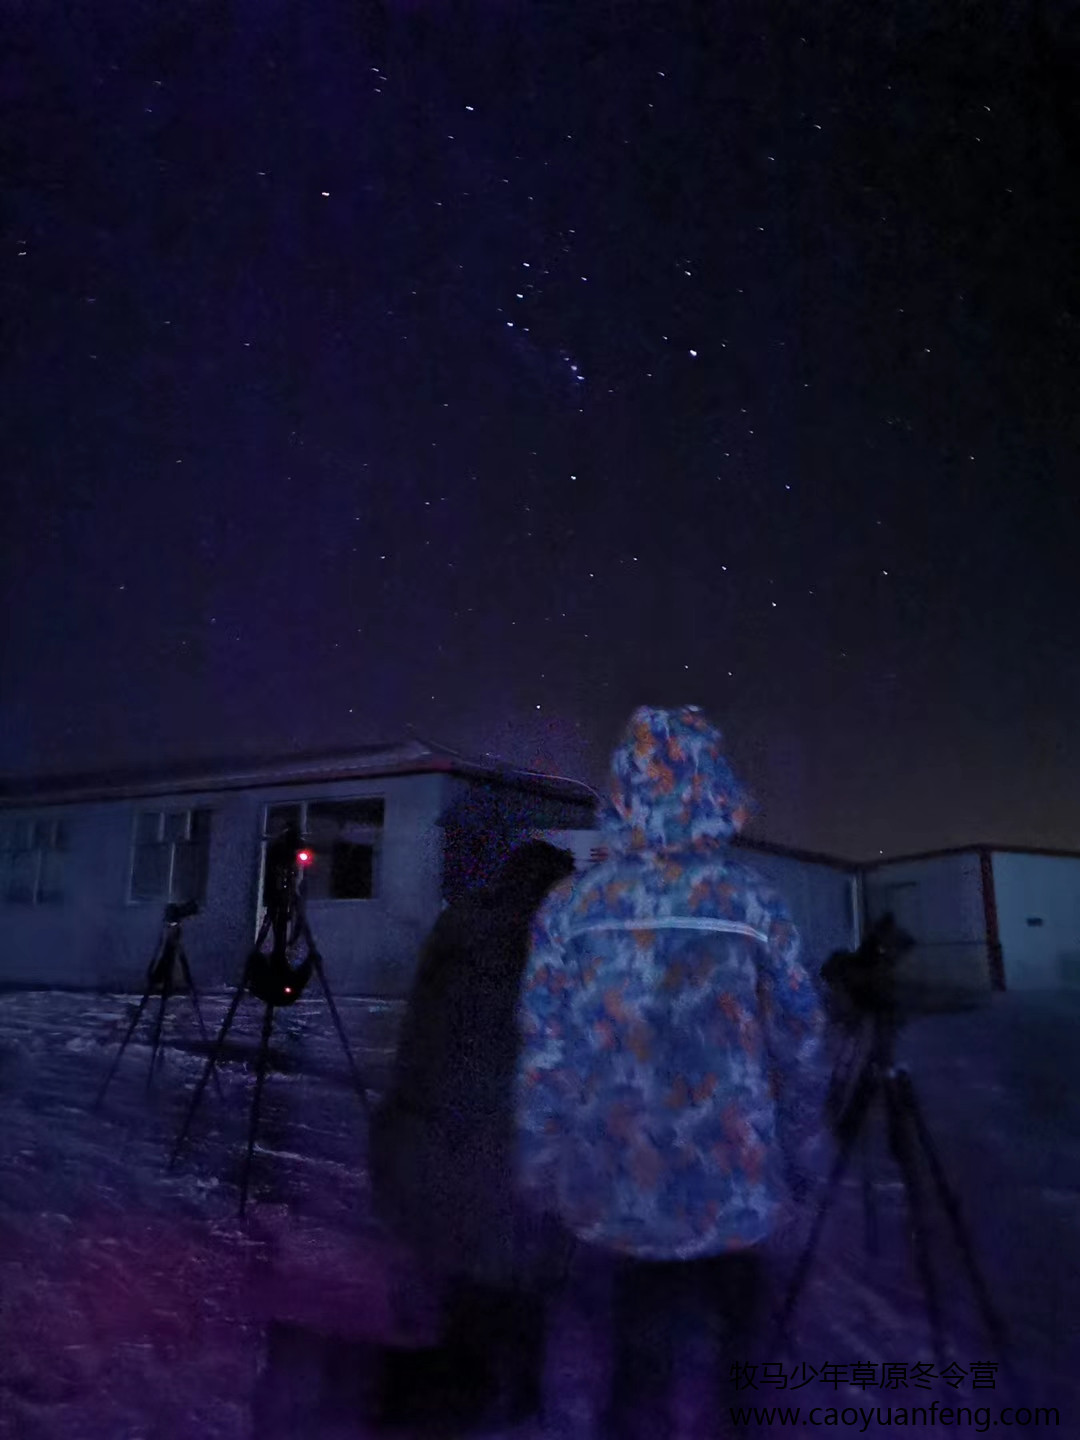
939, 902
91, 930
94, 937
821, 899
1038, 887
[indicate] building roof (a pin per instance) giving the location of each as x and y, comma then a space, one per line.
410, 757
789, 852
970, 850
414, 756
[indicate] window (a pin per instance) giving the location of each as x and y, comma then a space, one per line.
171, 856
34, 857
346, 839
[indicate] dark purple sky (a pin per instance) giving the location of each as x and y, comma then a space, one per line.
491, 369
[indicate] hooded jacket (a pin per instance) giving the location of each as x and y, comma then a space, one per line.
669, 1071
442, 1142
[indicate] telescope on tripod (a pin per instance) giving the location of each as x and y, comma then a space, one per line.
867, 1002
160, 980
278, 977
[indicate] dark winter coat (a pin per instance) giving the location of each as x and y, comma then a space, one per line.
443, 1141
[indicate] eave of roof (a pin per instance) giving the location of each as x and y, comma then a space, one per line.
790, 852
411, 757
969, 850
414, 756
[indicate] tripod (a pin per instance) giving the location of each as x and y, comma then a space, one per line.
909, 1137
275, 981
159, 978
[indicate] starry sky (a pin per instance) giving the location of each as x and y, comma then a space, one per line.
484, 370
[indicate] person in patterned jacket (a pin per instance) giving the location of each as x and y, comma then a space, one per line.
670, 1082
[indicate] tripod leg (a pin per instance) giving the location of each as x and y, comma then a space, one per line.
211, 1062
361, 1088
853, 1121
123, 1045
900, 1140
846, 1075
260, 1076
166, 991
847, 1066
873, 1246
190, 983
951, 1206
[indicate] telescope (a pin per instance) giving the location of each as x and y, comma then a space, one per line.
869, 1001
274, 977
864, 983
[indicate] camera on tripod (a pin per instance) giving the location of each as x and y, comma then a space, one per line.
161, 979
865, 983
174, 914
869, 999
160, 970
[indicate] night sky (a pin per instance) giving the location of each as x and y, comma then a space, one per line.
482, 371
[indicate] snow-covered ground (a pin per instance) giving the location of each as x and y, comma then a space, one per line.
134, 1305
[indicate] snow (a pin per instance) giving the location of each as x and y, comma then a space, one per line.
134, 1305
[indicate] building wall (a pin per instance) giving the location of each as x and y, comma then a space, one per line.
1042, 888
90, 931
822, 900
94, 937
939, 902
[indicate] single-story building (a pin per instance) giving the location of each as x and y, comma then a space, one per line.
87, 864
984, 917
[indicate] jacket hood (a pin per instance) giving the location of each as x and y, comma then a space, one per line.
671, 786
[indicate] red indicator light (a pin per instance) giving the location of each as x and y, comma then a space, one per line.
304, 858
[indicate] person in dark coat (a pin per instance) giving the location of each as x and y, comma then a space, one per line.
443, 1153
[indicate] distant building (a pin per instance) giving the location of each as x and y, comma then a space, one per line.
985, 916
88, 863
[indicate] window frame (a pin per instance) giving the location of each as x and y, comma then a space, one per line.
303, 807
27, 828
163, 815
